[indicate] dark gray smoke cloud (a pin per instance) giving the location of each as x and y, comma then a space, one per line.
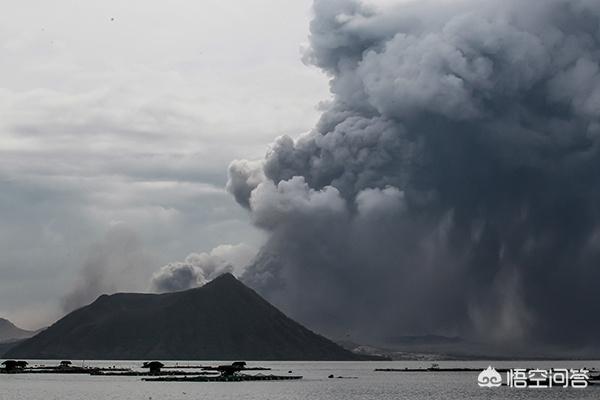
452, 185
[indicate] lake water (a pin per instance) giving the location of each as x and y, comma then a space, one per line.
315, 385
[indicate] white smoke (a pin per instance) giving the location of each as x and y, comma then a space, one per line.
199, 268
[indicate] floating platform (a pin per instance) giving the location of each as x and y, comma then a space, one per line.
226, 378
51, 370
142, 373
42, 369
210, 368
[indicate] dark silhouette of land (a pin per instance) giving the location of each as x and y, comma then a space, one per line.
6, 346
222, 320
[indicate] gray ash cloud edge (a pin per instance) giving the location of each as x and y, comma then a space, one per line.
452, 183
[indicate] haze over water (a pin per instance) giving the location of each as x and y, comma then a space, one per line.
315, 385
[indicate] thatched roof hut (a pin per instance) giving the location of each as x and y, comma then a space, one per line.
228, 370
154, 366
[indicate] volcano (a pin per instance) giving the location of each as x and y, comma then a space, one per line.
223, 320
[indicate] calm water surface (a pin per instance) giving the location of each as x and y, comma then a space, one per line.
315, 385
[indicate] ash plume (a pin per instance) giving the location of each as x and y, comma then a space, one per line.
451, 185
112, 264
200, 268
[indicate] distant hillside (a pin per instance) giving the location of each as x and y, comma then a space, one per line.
9, 332
223, 320
6, 346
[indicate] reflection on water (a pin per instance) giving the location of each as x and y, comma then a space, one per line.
315, 385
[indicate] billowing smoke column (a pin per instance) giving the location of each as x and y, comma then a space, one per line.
452, 185
199, 268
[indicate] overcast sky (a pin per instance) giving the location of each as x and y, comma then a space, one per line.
123, 117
